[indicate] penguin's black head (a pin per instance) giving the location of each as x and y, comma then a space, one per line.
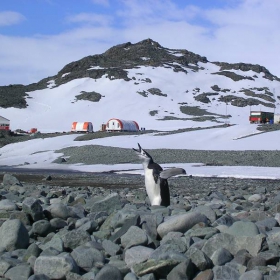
142, 154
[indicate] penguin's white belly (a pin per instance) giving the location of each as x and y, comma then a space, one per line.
152, 188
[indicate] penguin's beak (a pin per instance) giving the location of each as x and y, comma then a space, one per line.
142, 154
139, 150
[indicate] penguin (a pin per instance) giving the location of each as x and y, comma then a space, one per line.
156, 178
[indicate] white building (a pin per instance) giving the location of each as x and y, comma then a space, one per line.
121, 125
4, 123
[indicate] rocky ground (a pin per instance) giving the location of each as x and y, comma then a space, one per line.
101, 225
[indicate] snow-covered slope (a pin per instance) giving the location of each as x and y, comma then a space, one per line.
160, 88
55, 108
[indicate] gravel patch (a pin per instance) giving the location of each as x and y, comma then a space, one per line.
96, 154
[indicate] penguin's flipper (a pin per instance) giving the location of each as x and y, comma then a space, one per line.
165, 174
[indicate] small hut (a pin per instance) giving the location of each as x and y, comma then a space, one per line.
121, 125
82, 127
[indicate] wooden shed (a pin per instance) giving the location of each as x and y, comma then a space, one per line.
4, 123
121, 125
82, 127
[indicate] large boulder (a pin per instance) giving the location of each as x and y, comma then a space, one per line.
13, 235
33, 207
10, 180
181, 223
55, 267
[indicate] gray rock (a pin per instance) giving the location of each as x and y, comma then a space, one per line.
17, 189
89, 275
98, 217
81, 222
19, 215
77, 211
277, 217
225, 272
205, 275
221, 257
108, 272
181, 223
262, 190
252, 275
273, 275
9, 180
130, 276
267, 224
172, 235
226, 220
55, 267
116, 237
149, 276
4, 266
13, 235
274, 237
58, 223
110, 247
255, 197
18, 254
160, 268
160, 210
89, 227
7, 205
87, 257
136, 255
56, 242
73, 276
255, 261
241, 228
204, 232
109, 203
50, 251
217, 196
182, 271
75, 238
207, 211
120, 265
276, 199
42, 228
59, 210
20, 272
47, 178
257, 215
271, 257
122, 216
240, 268
199, 258
242, 257
133, 237
32, 206
7, 257
233, 243
171, 249
32, 250
39, 277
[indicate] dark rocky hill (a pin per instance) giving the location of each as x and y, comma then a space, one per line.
114, 62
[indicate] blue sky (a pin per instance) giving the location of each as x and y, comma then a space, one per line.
39, 37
